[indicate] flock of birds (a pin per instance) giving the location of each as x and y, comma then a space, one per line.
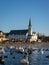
23, 50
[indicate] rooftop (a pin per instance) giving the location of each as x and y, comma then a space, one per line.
19, 32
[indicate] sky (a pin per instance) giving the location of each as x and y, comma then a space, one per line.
15, 14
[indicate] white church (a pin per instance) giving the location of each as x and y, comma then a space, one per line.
24, 34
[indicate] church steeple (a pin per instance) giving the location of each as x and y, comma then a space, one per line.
30, 28
30, 22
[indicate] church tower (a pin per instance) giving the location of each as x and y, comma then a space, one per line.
29, 38
29, 28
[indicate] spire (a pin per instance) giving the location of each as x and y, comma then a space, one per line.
30, 22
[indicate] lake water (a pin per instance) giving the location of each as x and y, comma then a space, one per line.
36, 58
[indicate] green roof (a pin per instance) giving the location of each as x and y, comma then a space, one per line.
18, 32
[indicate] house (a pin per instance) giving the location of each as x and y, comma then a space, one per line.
2, 37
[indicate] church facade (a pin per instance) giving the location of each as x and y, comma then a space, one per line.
25, 34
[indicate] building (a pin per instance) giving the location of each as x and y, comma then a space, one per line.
25, 34
32, 36
2, 37
17, 35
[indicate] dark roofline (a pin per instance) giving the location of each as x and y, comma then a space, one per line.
19, 32
19, 29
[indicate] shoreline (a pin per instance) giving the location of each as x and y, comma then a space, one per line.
36, 44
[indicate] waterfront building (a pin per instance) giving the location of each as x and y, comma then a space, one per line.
2, 37
18, 35
23, 35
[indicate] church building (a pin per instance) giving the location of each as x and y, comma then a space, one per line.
24, 34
